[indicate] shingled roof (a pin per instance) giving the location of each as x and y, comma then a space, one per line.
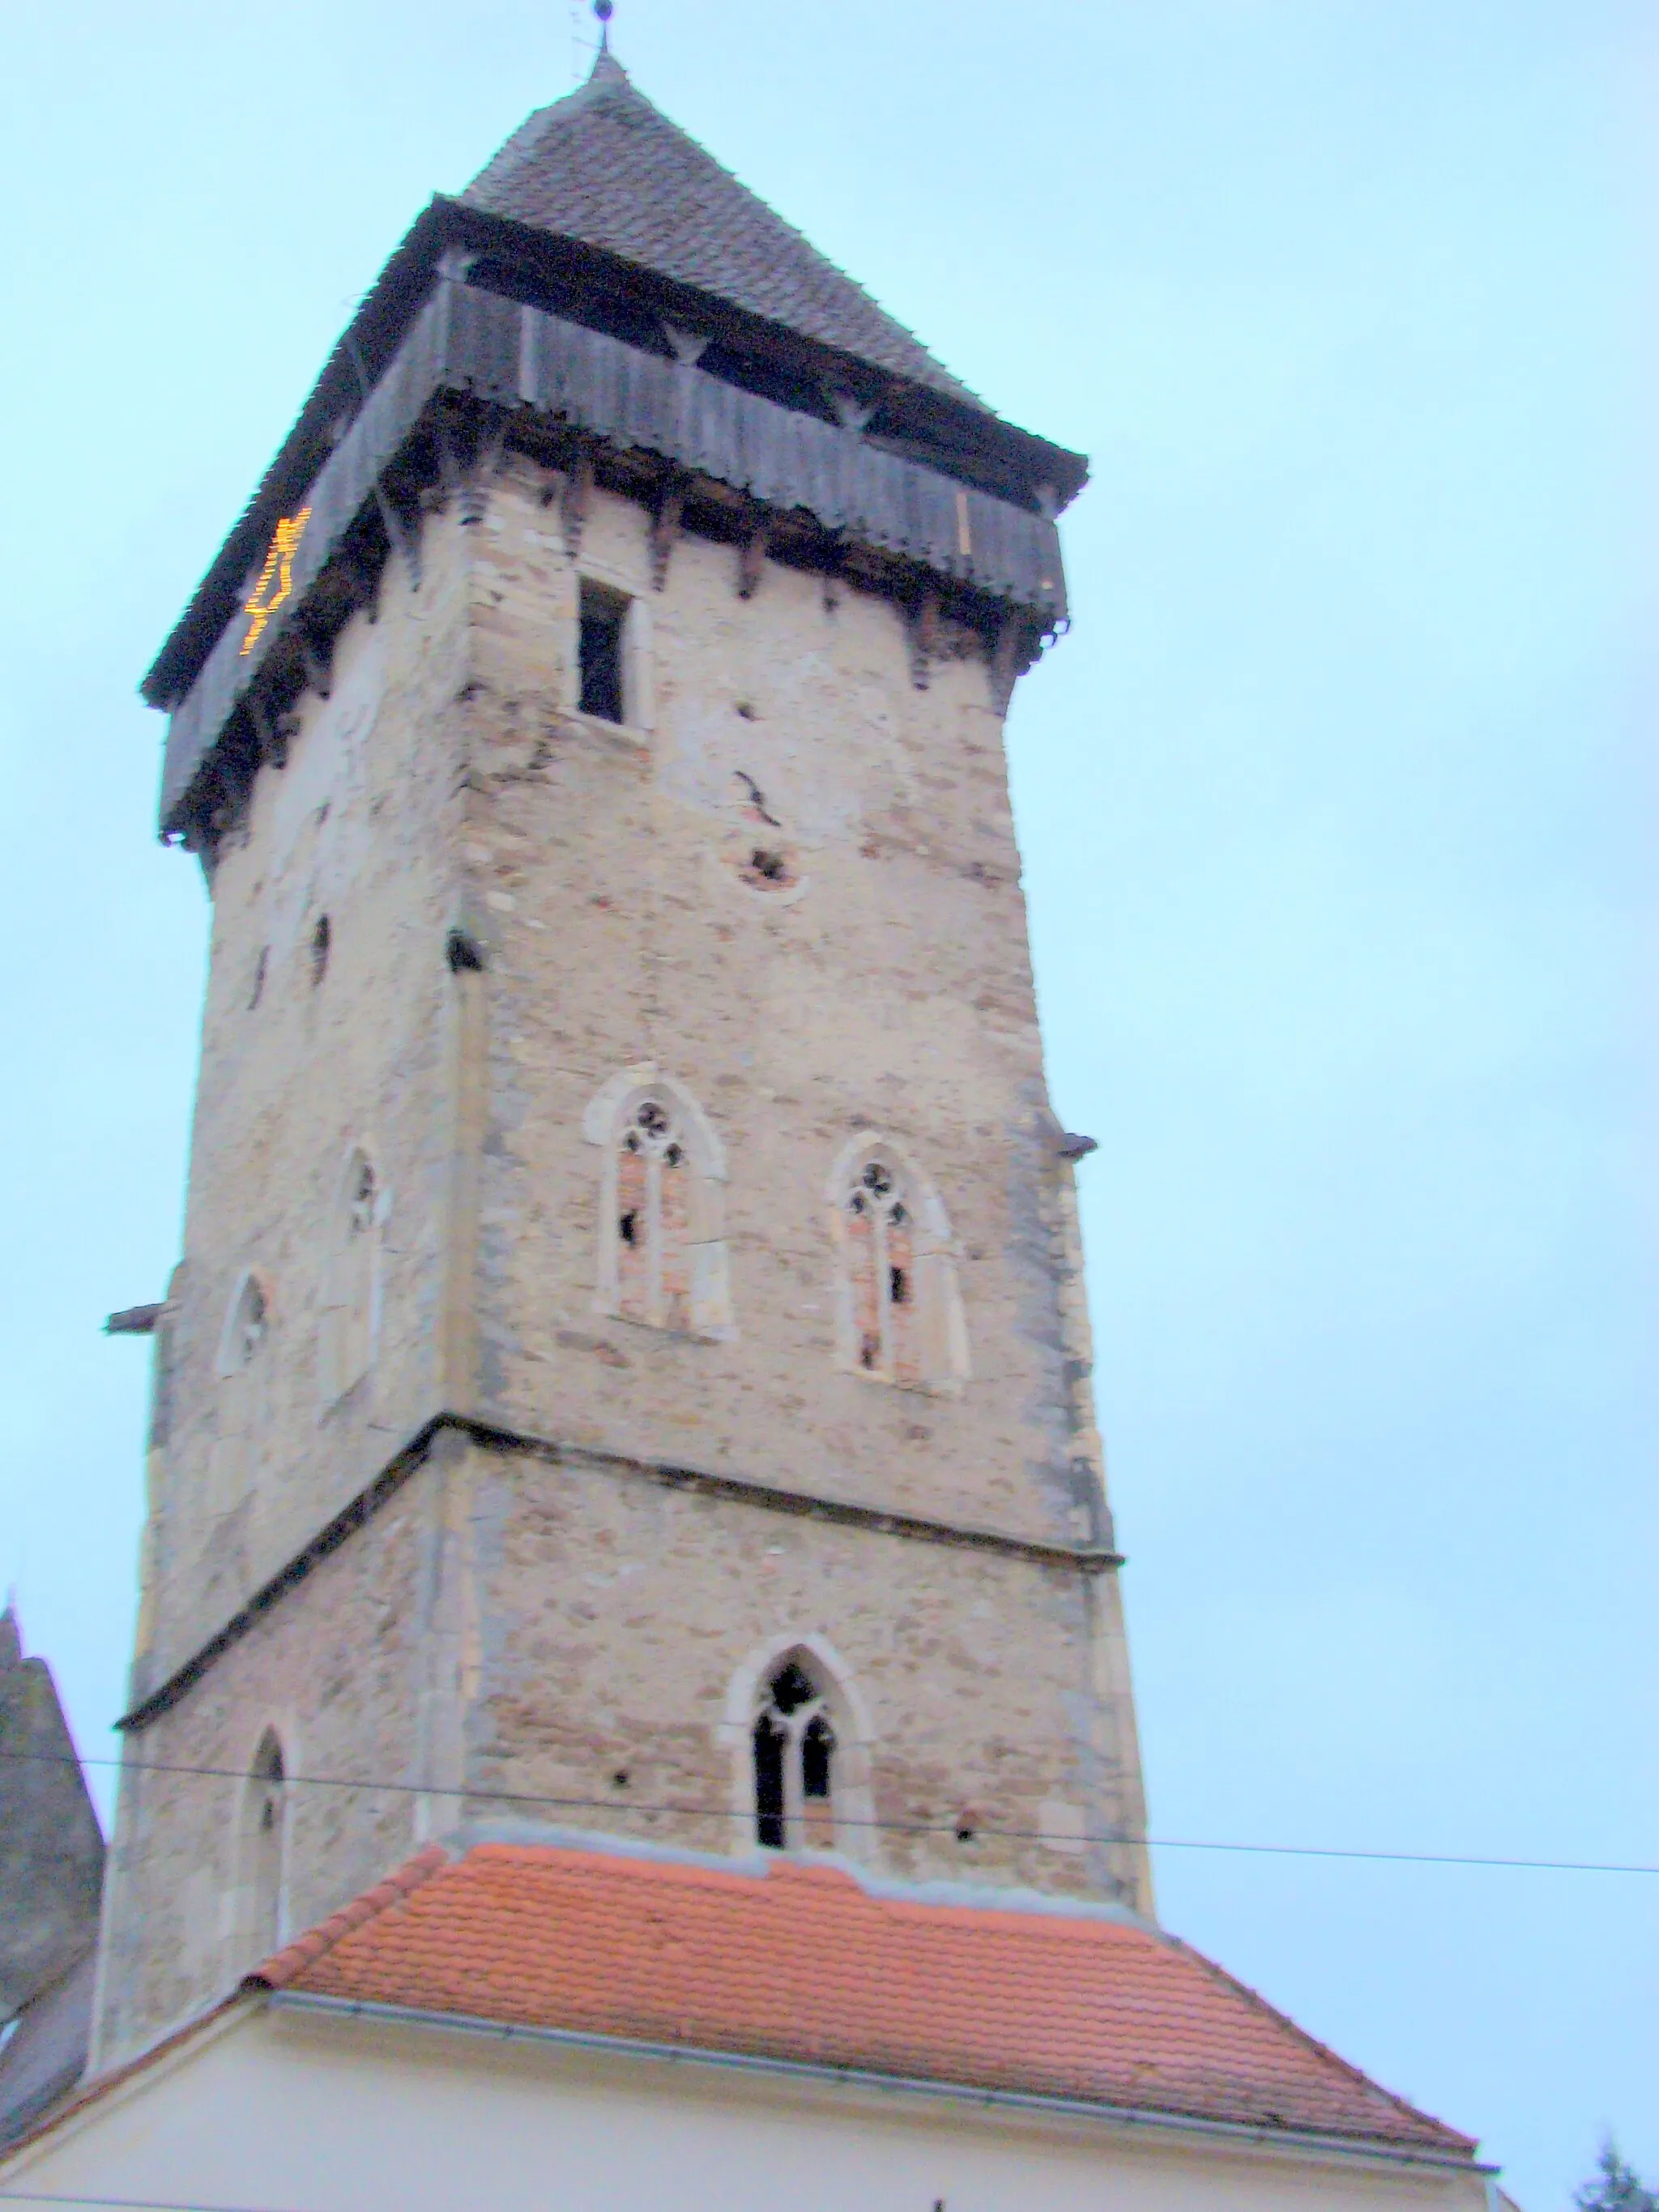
603, 166
804, 1965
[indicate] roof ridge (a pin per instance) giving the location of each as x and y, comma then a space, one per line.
277, 1971
1254, 1998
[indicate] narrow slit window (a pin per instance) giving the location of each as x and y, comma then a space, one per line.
603, 616
265, 1838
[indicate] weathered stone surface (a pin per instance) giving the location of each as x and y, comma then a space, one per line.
519, 1627
52, 1849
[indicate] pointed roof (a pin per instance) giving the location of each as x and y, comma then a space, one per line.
603, 166
802, 1963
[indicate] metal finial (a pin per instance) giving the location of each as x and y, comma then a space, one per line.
604, 9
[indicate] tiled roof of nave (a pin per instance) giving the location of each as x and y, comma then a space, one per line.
803, 1964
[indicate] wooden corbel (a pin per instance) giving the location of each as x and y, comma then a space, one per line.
315, 660
665, 530
486, 467
1012, 654
362, 585
751, 561
450, 472
578, 496
268, 732
399, 536
924, 639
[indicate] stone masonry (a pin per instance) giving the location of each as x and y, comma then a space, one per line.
558, 1545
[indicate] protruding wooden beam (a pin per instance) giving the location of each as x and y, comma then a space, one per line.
399, 536
362, 585
751, 562
267, 730
924, 639
578, 496
666, 529
485, 468
315, 660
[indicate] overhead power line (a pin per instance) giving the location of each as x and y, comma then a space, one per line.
964, 1827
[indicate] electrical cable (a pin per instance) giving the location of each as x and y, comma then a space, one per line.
966, 1830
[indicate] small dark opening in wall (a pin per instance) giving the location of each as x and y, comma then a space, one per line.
619, 1780
628, 1227
321, 938
870, 1349
463, 952
259, 966
818, 1748
898, 1287
792, 1688
769, 1784
601, 652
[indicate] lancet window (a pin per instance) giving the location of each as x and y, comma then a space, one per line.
794, 1749
898, 1302
264, 1847
662, 1259
350, 1285
240, 1413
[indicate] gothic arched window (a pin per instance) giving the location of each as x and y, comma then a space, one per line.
240, 1413
350, 1279
897, 1301
794, 1746
245, 1326
263, 1848
662, 1259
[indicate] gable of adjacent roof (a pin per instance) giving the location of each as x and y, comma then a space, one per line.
802, 1963
605, 167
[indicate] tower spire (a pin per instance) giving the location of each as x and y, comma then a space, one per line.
604, 9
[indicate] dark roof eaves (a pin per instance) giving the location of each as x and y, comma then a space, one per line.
373, 334
1071, 469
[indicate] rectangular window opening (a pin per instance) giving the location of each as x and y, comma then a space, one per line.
603, 615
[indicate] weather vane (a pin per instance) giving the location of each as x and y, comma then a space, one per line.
604, 9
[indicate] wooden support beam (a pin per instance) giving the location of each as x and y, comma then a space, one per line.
924, 639
1013, 653
362, 585
751, 564
578, 496
486, 465
268, 730
401, 538
665, 530
315, 660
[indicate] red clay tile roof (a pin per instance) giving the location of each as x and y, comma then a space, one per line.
605, 166
804, 1964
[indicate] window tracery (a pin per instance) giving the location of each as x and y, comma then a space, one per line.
662, 1260
794, 1753
350, 1285
241, 1414
264, 1847
898, 1299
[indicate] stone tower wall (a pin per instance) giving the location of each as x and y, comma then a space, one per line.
577, 1581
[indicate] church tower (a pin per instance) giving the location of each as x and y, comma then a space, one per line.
629, 1374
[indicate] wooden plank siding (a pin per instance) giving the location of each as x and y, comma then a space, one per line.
470, 341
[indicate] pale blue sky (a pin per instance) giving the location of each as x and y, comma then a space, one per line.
1338, 825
